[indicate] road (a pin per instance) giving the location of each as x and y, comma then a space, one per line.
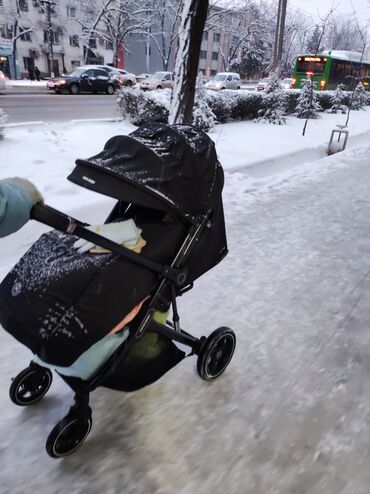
57, 107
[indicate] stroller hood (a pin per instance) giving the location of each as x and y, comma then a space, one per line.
171, 168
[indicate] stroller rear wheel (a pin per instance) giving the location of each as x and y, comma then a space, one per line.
216, 353
68, 434
30, 385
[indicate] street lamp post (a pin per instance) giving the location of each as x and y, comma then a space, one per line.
48, 4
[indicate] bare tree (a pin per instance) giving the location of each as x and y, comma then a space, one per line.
167, 18
113, 21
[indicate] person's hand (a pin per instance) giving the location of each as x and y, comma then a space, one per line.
27, 187
123, 232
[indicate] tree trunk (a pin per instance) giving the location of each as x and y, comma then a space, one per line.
193, 19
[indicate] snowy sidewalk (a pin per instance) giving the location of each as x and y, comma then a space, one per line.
290, 415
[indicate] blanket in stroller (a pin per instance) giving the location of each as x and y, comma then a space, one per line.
59, 303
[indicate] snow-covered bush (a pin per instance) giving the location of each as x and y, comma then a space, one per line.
223, 106
273, 84
3, 119
307, 102
140, 107
273, 104
360, 98
203, 116
336, 100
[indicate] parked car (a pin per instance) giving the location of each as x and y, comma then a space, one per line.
286, 83
92, 80
127, 78
2, 81
159, 80
261, 85
141, 77
123, 77
224, 80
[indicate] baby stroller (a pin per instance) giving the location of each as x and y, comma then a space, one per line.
61, 304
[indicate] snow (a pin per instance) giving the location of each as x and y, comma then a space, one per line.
25, 83
291, 413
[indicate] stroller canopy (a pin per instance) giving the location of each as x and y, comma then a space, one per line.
171, 168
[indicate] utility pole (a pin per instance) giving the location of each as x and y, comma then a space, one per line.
279, 35
48, 4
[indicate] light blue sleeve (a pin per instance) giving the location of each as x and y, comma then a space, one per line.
15, 207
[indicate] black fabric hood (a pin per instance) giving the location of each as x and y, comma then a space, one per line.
169, 167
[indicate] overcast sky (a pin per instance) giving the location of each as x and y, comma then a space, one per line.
362, 7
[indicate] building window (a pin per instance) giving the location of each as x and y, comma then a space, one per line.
90, 14
92, 43
213, 72
215, 55
74, 40
26, 36
28, 63
101, 41
5, 32
75, 63
109, 45
202, 54
54, 37
23, 5
205, 36
216, 37
71, 12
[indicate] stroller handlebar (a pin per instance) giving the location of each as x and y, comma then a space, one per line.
52, 217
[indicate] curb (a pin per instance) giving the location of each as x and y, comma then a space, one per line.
51, 124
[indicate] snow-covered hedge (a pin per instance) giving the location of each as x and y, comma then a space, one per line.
140, 107
3, 119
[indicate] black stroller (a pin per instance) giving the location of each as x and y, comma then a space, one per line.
60, 303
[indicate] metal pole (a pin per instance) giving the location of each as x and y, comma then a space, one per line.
281, 34
50, 38
147, 50
274, 57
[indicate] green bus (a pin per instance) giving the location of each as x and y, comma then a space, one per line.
328, 69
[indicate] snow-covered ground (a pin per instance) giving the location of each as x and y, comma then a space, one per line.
25, 83
291, 414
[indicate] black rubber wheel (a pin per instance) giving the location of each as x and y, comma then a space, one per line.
110, 89
128, 83
159, 87
74, 89
68, 435
216, 353
30, 385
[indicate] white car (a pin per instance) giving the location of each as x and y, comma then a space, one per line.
127, 78
286, 83
159, 80
224, 80
2, 81
261, 86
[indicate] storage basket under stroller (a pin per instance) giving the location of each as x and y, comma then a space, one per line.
60, 303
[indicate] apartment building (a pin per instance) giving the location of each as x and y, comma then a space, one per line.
70, 42
65, 33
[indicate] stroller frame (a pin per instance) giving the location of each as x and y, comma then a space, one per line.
214, 352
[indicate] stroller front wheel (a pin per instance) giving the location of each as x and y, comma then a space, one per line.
68, 435
30, 385
216, 353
